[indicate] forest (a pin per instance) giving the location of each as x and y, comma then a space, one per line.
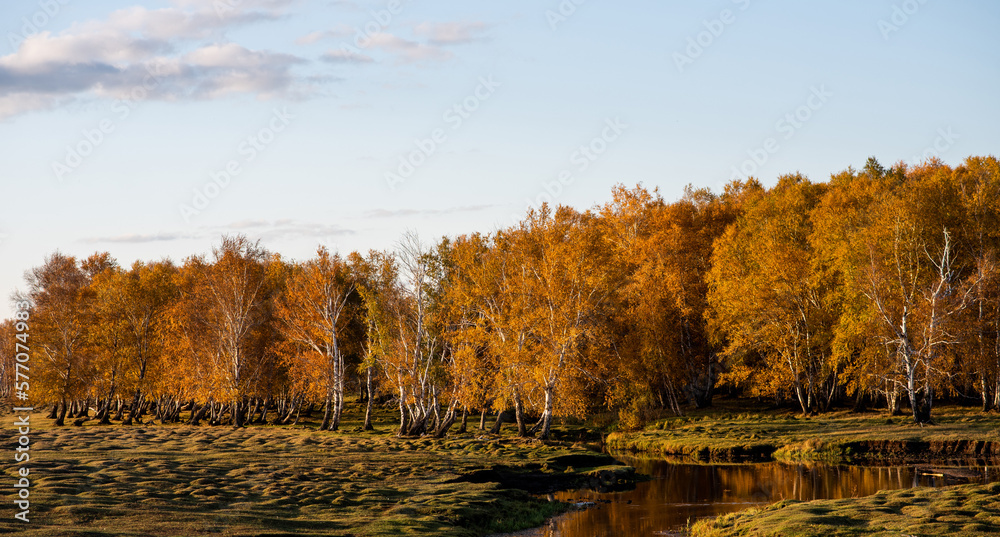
879, 288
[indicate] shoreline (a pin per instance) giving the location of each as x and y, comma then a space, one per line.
835, 437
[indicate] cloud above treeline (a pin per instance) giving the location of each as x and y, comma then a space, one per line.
173, 53
428, 42
182, 52
283, 229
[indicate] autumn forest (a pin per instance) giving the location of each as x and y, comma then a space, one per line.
879, 288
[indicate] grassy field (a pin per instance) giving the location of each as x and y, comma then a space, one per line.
966, 510
178, 480
735, 431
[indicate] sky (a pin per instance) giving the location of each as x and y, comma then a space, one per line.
150, 129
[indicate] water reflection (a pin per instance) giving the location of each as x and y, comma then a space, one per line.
680, 493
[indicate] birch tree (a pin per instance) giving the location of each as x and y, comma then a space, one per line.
314, 314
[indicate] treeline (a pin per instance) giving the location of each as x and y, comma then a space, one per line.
879, 287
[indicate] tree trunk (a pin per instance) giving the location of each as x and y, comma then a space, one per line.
61, 419
370, 387
522, 431
803, 404
263, 413
403, 421
133, 413
286, 415
465, 420
547, 412
104, 412
119, 409
447, 421
236, 413
536, 427
498, 424
327, 411
338, 385
338, 408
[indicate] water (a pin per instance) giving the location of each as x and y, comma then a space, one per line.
680, 493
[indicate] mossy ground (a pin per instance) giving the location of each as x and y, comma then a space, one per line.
735, 431
966, 510
179, 480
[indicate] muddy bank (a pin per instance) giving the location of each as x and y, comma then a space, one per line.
753, 453
818, 450
910, 450
597, 472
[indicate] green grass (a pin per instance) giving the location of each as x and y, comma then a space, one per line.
735, 431
967, 510
178, 480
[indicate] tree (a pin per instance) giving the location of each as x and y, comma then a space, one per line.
8, 353
905, 283
978, 180
665, 253
397, 302
60, 308
566, 281
377, 277
234, 294
131, 308
495, 335
411, 361
314, 314
767, 301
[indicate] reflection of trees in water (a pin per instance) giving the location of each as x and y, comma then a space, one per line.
773, 482
682, 492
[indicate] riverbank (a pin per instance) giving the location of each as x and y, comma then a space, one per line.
731, 432
967, 510
156, 480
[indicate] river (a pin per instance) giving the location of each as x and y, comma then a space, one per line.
682, 493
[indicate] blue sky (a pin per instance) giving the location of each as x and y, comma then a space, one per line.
349, 122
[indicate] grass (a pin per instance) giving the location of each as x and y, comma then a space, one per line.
179, 480
967, 510
735, 431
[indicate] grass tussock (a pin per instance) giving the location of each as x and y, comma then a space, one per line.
967, 510
179, 480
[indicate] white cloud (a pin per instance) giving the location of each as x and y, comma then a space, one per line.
345, 56
395, 213
450, 33
109, 58
136, 238
404, 50
264, 229
340, 31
